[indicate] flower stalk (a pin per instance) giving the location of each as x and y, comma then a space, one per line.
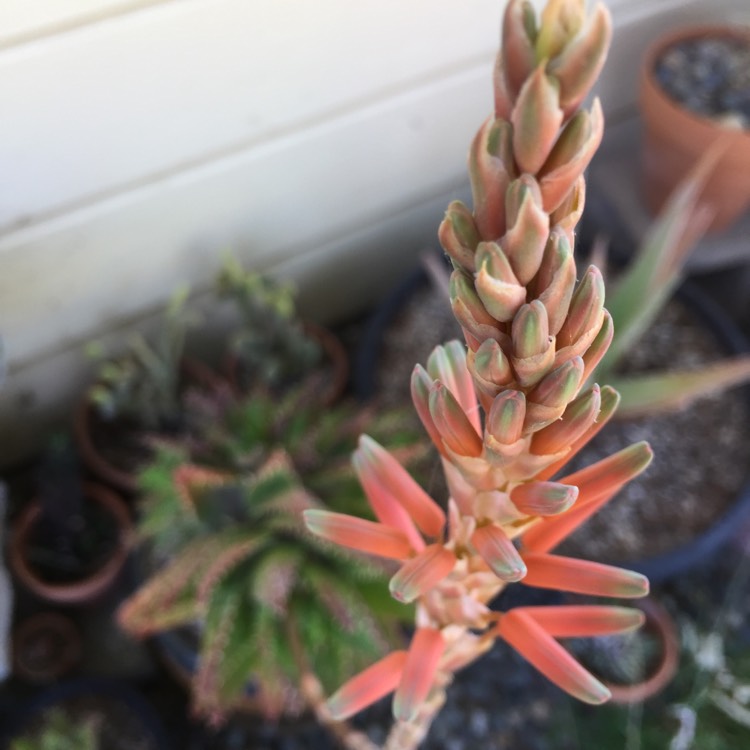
509, 408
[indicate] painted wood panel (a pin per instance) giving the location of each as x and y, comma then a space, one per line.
22, 21
67, 278
102, 110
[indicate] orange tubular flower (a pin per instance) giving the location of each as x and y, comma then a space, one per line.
507, 410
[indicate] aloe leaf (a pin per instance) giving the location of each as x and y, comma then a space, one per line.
647, 394
659, 264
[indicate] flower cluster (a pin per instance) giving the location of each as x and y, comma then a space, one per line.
510, 408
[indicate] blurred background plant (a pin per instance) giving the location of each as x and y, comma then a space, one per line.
229, 556
644, 287
142, 385
58, 731
271, 344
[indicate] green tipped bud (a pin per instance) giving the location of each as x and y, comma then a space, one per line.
517, 53
559, 387
556, 280
570, 156
561, 21
548, 400
455, 428
579, 65
469, 310
543, 498
496, 284
499, 552
492, 365
598, 348
536, 120
459, 236
530, 331
528, 227
505, 419
578, 416
586, 311
491, 168
533, 348
567, 215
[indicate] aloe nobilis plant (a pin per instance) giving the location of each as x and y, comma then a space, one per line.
510, 408
221, 518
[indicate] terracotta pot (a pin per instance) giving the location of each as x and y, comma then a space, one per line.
676, 138
660, 623
124, 480
84, 590
334, 354
46, 646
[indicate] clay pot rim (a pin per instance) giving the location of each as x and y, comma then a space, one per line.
63, 662
650, 88
118, 478
88, 588
192, 369
333, 351
663, 624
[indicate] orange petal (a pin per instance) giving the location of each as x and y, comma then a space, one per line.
358, 533
540, 649
585, 621
583, 576
379, 467
614, 471
418, 676
422, 572
386, 508
499, 553
367, 687
597, 484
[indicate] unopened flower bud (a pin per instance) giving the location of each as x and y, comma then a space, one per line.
586, 311
459, 236
533, 347
578, 67
571, 155
491, 168
536, 120
496, 284
578, 416
548, 400
528, 227
517, 51
556, 280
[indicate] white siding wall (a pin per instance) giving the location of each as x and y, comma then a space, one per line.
139, 139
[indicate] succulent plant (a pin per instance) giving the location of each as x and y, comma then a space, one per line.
508, 414
142, 385
271, 343
233, 556
643, 289
60, 732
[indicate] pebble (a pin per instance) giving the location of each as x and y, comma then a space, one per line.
710, 77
